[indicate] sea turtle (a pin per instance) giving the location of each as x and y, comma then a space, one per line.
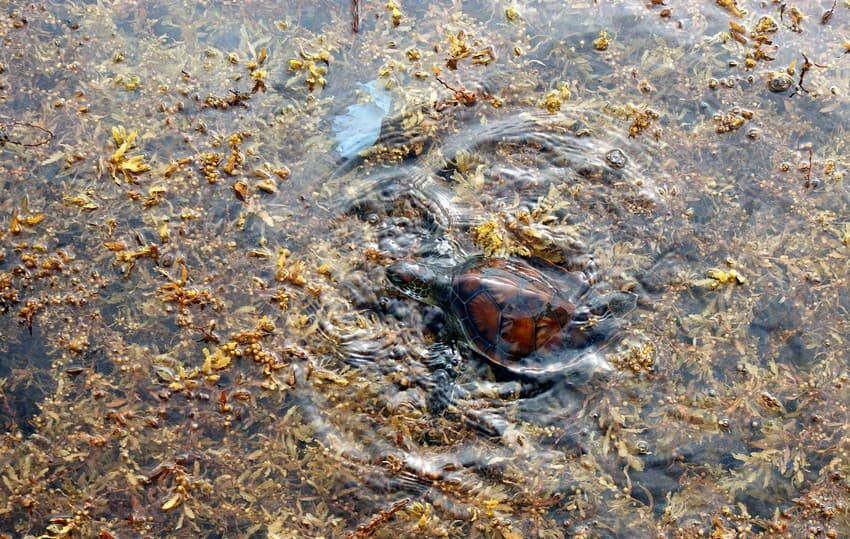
526, 315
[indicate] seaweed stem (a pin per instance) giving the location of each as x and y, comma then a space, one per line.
369, 529
5, 139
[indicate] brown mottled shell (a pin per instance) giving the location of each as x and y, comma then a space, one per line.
512, 309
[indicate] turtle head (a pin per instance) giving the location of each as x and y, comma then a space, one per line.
421, 282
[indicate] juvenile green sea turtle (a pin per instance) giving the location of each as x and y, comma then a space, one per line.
528, 316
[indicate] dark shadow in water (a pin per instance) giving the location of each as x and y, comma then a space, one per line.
29, 378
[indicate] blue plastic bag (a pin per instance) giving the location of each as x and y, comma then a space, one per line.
360, 126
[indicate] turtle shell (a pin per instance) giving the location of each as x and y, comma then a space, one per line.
526, 315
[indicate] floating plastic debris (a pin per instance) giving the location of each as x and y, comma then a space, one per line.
360, 126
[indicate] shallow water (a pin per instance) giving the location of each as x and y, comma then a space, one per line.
198, 338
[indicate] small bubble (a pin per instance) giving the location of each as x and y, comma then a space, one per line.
779, 81
616, 158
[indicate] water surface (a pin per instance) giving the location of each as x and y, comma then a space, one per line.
198, 339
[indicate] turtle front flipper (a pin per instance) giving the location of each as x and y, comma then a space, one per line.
442, 361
